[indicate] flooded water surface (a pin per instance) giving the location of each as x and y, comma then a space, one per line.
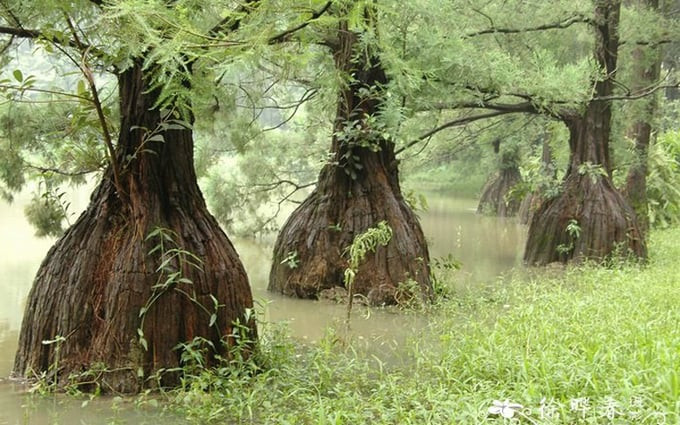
486, 247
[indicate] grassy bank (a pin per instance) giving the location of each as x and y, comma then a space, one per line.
582, 346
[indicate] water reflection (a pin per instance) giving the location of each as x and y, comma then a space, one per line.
486, 247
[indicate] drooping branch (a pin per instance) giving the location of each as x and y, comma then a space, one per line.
459, 122
75, 97
230, 24
87, 73
565, 23
21, 32
33, 34
287, 34
647, 91
61, 172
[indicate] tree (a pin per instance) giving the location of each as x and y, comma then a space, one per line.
356, 191
145, 267
647, 70
545, 178
495, 199
589, 219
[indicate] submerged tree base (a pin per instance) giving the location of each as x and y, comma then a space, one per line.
589, 220
111, 306
494, 200
309, 254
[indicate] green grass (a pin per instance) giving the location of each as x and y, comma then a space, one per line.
588, 346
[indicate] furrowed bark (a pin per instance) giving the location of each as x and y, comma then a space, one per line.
97, 277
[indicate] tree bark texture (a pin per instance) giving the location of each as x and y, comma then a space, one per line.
602, 222
355, 192
98, 276
647, 69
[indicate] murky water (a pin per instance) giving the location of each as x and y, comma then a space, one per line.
485, 246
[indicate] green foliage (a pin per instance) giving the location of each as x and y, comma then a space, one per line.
594, 171
442, 270
363, 243
173, 271
253, 176
573, 230
416, 201
47, 210
291, 260
47, 382
603, 351
663, 181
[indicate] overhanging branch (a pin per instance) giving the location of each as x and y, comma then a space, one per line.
640, 93
286, 35
455, 123
566, 23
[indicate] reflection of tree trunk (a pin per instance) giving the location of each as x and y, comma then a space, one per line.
495, 200
646, 73
353, 194
98, 276
606, 223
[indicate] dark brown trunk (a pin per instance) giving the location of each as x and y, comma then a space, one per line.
98, 276
589, 219
358, 190
646, 72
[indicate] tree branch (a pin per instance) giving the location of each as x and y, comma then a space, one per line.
640, 93
87, 73
21, 32
33, 89
566, 23
458, 122
285, 35
35, 34
229, 24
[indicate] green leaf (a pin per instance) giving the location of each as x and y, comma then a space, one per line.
156, 138
213, 319
81, 88
18, 75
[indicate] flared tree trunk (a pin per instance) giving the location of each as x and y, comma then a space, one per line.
589, 219
646, 72
495, 200
95, 281
356, 192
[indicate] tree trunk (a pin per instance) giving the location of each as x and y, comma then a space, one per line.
589, 219
494, 200
96, 279
602, 222
358, 190
646, 73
